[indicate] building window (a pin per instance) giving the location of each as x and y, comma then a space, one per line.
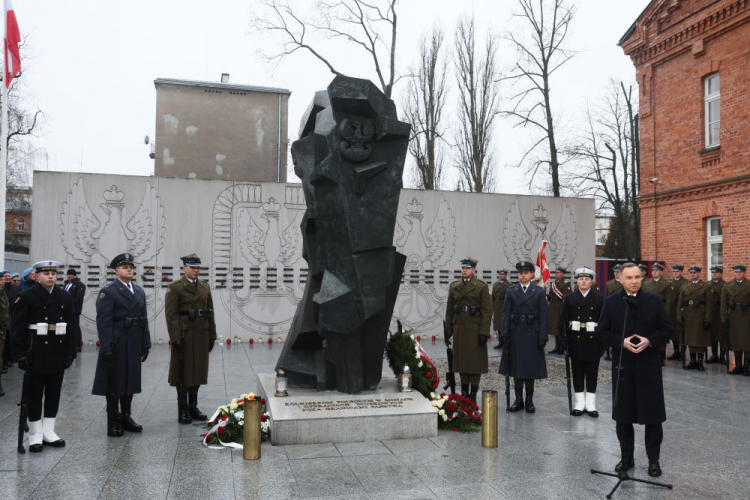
21, 225
714, 245
712, 104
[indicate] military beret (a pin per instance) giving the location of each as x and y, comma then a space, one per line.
14, 275
191, 260
561, 270
695, 269
28, 271
72, 271
739, 267
4, 272
617, 268
524, 265
469, 262
122, 259
46, 265
656, 266
678, 267
502, 271
717, 269
584, 272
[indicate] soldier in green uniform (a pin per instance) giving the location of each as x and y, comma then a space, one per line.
694, 314
717, 330
614, 284
658, 285
673, 295
468, 316
644, 271
735, 313
189, 311
498, 299
558, 290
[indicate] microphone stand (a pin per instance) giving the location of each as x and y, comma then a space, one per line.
623, 476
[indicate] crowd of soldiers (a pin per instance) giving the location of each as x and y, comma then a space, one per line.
42, 320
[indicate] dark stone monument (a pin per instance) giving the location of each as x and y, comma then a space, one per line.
350, 157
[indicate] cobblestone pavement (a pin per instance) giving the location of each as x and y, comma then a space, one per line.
546, 455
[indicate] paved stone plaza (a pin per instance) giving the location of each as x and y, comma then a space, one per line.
546, 455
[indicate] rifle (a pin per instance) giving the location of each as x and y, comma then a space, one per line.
450, 377
506, 354
111, 391
729, 348
23, 417
567, 374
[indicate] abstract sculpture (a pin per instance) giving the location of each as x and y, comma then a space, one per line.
350, 157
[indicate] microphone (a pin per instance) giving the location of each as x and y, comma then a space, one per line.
631, 301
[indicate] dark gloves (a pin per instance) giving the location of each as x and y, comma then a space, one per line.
541, 344
482, 340
176, 344
108, 358
501, 342
69, 361
23, 364
145, 355
706, 325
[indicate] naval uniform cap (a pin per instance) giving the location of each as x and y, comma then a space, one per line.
717, 269
46, 265
695, 269
122, 259
525, 265
656, 266
678, 267
739, 268
585, 272
191, 260
617, 268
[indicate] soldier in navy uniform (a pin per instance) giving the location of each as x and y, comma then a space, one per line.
524, 328
43, 337
578, 317
125, 341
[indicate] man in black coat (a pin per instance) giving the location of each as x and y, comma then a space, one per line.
637, 389
525, 332
125, 341
578, 317
77, 289
43, 342
11, 291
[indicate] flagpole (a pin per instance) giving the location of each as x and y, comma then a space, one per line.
4, 139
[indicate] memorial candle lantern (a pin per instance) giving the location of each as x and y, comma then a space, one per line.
404, 381
281, 384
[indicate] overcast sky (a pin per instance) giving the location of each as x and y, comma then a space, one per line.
91, 66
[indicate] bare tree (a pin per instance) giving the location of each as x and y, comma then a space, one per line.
370, 25
539, 56
478, 108
424, 103
608, 167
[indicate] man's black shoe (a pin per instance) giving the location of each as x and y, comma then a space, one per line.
128, 424
736, 371
692, 365
630, 464
675, 356
498, 346
184, 416
516, 406
712, 359
530, 408
654, 470
35, 448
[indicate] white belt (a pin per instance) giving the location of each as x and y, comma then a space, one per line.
45, 328
577, 326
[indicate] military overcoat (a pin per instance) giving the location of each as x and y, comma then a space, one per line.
583, 345
556, 287
717, 329
735, 311
611, 287
695, 309
122, 325
468, 315
522, 335
658, 287
50, 352
673, 297
499, 289
196, 335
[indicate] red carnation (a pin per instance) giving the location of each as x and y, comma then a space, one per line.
429, 375
455, 429
263, 401
263, 417
220, 431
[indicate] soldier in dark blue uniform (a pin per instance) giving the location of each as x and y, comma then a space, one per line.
77, 289
580, 312
43, 338
125, 342
525, 329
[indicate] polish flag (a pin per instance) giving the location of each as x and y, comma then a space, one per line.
11, 41
542, 271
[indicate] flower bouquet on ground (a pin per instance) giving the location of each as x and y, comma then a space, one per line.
403, 349
456, 413
226, 424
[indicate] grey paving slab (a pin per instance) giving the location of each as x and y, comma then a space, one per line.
361, 449
311, 451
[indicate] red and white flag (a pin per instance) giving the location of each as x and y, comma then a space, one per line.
542, 271
10, 43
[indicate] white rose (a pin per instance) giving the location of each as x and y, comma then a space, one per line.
441, 412
445, 417
412, 337
432, 395
233, 405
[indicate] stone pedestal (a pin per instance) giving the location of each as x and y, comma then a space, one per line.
308, 416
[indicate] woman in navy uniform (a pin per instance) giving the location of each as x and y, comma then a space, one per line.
525, 329
125, 341
43, 336
578, 317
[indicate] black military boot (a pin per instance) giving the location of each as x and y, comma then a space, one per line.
746, 371
473, 393
693, 363
126, 421
530, 408
114, 428
723, 357
701, 368
714, 350
607, 356
518, 403
465, 390
737, 363
195, 413
2, 391
183, 415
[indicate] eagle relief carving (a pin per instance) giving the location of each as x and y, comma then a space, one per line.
355, 140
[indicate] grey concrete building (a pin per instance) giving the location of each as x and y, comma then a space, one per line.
212, 130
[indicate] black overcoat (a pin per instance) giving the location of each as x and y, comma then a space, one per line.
525, 357
641, 392
78, 291
583, 345
114, 304
50, 352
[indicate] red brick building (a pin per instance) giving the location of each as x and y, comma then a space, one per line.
692, 60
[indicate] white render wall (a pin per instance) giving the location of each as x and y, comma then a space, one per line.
248, 237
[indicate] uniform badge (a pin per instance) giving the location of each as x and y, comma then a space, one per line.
102, 295
169, 290
18, 299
